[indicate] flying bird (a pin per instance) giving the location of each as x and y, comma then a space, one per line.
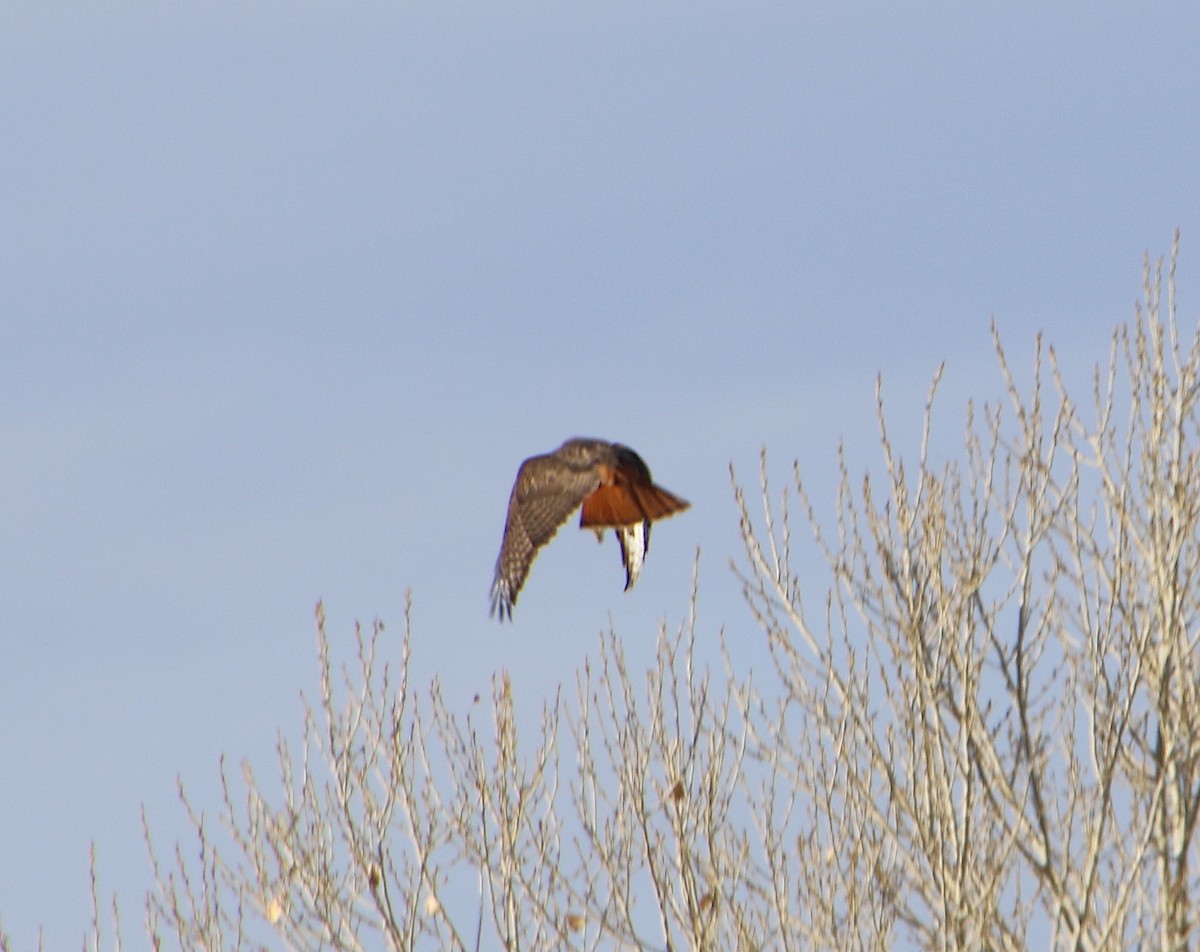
612, 485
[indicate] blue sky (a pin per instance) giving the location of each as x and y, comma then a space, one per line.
287, 291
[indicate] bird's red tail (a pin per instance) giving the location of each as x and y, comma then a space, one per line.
626, 504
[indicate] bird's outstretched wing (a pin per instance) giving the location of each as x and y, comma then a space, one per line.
548, 489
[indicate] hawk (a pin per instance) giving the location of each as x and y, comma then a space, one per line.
612, 485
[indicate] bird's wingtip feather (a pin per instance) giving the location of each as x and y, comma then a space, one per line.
502, 600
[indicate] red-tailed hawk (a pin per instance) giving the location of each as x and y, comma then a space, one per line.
610, 482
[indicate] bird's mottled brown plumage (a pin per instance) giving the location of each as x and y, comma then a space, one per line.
612, 485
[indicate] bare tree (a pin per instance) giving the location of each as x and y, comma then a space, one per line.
998, 696
392, 798
980, 730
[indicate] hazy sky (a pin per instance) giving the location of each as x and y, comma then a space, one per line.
287, 291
